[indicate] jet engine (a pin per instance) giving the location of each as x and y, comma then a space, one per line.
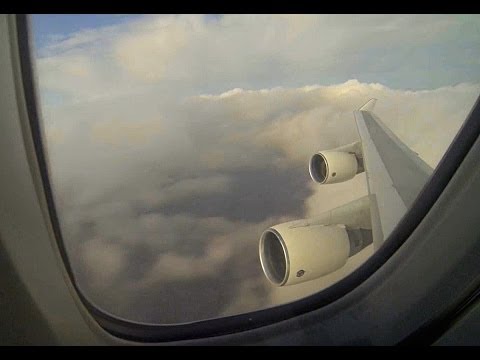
290, 254
330, 167
336, 165
303, 250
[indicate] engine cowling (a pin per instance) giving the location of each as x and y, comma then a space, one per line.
330, 167
302, 250
291, 253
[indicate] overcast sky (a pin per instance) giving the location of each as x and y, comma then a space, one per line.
174, 141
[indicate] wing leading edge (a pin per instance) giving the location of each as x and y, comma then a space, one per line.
395, 174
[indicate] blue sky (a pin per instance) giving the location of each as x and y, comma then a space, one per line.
448, 55
47, 26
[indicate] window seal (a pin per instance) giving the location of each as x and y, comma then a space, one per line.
143, 332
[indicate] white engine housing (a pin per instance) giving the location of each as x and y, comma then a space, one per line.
330, 167
291, 254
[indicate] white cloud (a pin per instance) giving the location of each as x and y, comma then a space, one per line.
128, 187
103, 261
172, 267
118, 132
187, 53
150, 48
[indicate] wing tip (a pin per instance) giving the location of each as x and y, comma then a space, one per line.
369, 105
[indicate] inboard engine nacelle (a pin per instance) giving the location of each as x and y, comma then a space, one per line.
307, 249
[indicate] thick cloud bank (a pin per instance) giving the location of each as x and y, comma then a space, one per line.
166, 229
163, 189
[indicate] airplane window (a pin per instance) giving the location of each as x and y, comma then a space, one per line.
210, 165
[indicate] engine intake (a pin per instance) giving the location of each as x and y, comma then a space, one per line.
302, 250
291, 255
330, 167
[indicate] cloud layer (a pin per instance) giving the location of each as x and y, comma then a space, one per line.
200, 54
174, 142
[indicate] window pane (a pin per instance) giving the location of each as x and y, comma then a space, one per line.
175, 141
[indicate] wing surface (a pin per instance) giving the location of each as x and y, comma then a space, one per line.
395, 173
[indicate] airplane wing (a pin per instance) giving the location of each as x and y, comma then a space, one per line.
395, 173
302, 250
